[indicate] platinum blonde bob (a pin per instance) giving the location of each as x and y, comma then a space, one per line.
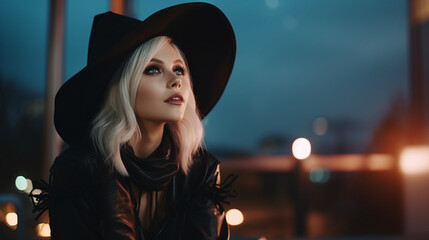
116, 122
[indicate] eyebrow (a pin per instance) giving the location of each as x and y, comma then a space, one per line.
160, 61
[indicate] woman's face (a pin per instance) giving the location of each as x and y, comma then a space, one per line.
164, 88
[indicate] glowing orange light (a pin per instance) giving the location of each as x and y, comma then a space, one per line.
234, 217
43, 230
415, 160
301, 148
12, 219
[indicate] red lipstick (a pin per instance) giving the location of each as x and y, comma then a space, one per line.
175, 99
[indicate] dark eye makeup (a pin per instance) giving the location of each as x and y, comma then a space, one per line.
179, 70
153, 69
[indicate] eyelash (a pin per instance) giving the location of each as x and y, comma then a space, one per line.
153, 67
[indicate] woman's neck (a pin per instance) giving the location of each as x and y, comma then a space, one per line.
151, 137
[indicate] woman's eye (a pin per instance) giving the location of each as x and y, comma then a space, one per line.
152, 70
179, 71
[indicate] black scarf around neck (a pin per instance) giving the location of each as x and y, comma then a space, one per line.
154, 172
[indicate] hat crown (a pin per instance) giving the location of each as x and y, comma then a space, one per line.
202, 32
108, 29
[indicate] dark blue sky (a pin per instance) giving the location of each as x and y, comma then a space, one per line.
296, 60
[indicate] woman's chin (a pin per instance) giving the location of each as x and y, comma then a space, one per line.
175, 120
163, 118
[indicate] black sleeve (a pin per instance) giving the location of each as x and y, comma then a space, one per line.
88, 200
72, 209
206, 216
117, 210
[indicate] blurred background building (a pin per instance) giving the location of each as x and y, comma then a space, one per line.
349, 76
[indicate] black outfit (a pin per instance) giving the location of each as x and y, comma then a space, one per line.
87, 200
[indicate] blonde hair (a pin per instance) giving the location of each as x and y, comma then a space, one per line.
116, 123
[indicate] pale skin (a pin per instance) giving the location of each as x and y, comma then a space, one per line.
156, 104
165, 75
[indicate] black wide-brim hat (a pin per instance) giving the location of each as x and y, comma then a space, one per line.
201, 31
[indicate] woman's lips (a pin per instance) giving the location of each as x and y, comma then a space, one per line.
175, 99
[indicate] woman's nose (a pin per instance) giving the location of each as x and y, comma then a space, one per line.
175, 82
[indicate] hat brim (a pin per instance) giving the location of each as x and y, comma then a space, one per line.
203, 33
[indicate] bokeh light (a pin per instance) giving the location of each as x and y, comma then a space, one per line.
415, 160
319, 175
320, 126
21, 183
29, 186
12, 219
234, 217
43, 230
301, 148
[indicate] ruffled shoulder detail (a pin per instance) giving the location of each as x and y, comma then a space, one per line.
218, 193
40, 196
71, 172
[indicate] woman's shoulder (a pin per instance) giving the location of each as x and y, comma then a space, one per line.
204, 158
204, 165
74, 166
75, 157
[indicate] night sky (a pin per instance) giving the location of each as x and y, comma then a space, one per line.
296, 60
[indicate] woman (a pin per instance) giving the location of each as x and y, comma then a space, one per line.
135, 168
